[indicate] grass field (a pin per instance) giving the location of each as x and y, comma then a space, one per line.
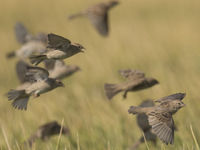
161, 38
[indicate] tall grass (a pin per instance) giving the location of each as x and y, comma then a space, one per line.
160, 38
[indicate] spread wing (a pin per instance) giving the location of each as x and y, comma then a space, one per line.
20, 32
177, 96
35, 74
132, 74
163, 126
99, 20
57, 42
21, 69
50, 64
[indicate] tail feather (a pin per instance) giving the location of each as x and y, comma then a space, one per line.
36, 59
31, 140
134, 110
111, 90
20, 103
15, 94
19, 97
75, 16
136, 145
11, 54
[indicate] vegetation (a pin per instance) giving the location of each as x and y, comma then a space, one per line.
158, 37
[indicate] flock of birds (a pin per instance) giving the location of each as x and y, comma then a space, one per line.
51, 49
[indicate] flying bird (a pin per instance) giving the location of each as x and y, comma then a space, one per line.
30, 44
98, 16
142, 121
45, 131
136, 81
160, 116
38, 83
59, 48
59, 70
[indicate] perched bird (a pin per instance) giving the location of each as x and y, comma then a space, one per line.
160, 116
136, 81
98, 16
39, 83
59, 70
30, 44
60, 48
142, 121
45, 131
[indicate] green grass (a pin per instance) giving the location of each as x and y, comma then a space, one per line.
159, 37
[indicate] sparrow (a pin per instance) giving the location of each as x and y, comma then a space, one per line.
30, 44
142, 121
98, 16
59, 70
160, 116
38, 83
45, 131
136, 81
60, 48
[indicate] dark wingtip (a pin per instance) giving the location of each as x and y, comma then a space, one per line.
10, 54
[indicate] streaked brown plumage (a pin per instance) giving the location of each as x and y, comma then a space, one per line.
38, 83
142, 121
136, 80
59, 70
160, 116
45, 131
59, 48
30, 44
98, 16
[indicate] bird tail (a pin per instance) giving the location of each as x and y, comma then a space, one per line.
15, 94
136, 110
31, 140
11, 54
111, 90
19, 97
135, 145
36, 59
75, 16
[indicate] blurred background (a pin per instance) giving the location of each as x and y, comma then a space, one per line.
160, 38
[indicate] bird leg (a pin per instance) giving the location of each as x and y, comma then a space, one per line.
125, 94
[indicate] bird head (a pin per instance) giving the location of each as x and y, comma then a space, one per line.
79, 47
113, 3
59, 83
177, 104
152, 81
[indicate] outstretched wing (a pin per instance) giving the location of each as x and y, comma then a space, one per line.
36, 74
99, 19
21, 69
177, 96
20, 32
163, 126
132, 74
57, 42
52, 64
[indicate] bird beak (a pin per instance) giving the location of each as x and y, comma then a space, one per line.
83, 50
183, 105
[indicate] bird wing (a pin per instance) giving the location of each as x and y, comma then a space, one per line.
132, 74
99, 20
36, 74
21, 32
21, 69
51, 64
162, 125
177, 96
57, 42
